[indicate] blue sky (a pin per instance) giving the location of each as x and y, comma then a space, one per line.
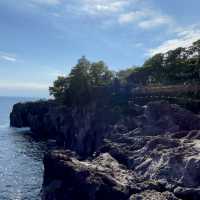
41, 39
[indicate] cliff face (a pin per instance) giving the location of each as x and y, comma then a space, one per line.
79, 129
31, 114
151, 152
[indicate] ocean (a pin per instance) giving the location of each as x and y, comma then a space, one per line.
21, 167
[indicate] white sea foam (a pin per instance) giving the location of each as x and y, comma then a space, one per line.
3, 126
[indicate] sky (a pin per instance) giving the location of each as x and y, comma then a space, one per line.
42, 39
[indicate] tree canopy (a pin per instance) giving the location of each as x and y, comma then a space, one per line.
88, 81
178, 66
77, 88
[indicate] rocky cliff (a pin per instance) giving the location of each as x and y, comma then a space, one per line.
78, 129
102, 178
151, 152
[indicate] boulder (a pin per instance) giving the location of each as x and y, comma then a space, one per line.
187, 193
65, 178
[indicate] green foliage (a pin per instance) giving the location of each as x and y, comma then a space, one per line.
95, 82
59, 87
99, 74
178, 66
79, 82
122, 75
78, 87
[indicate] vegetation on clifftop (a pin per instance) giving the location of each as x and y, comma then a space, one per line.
91, 81
78, 87
179, 66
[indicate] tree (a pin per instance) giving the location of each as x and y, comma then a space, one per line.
84, 81
59, 87
181, 65
123, 75
100, 75
80, 84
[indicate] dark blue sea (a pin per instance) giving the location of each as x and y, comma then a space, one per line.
21, 168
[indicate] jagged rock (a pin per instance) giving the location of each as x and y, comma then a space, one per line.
31, 114
66, 178
83, 129
161, 117
187, 193
153, 195
79, 129
160, 158
158, 143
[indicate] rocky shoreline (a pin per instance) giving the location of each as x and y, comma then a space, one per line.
151, 152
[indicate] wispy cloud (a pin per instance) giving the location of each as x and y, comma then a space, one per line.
155, 21
96, 7
7, 57
130, 17
139, 44
145, 18
46, 2
23, 85
184, 38
55, 73
140, 14
136, 12
99, 8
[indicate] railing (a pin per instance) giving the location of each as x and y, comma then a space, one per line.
187, 96
195, 88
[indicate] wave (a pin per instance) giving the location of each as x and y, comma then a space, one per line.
7, 126
4, 125
24, 129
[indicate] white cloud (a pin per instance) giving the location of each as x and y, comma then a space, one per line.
139, 44
96, 7
7, 57
132, 12
56, 73
46, 2
56, 14
111, 11
23, 85
131, 17
145, 18
184, 38
155, 21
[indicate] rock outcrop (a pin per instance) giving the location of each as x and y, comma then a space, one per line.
78, 129
153, 195
67, 178
31, 114
150, 152
161, 117
175, 161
